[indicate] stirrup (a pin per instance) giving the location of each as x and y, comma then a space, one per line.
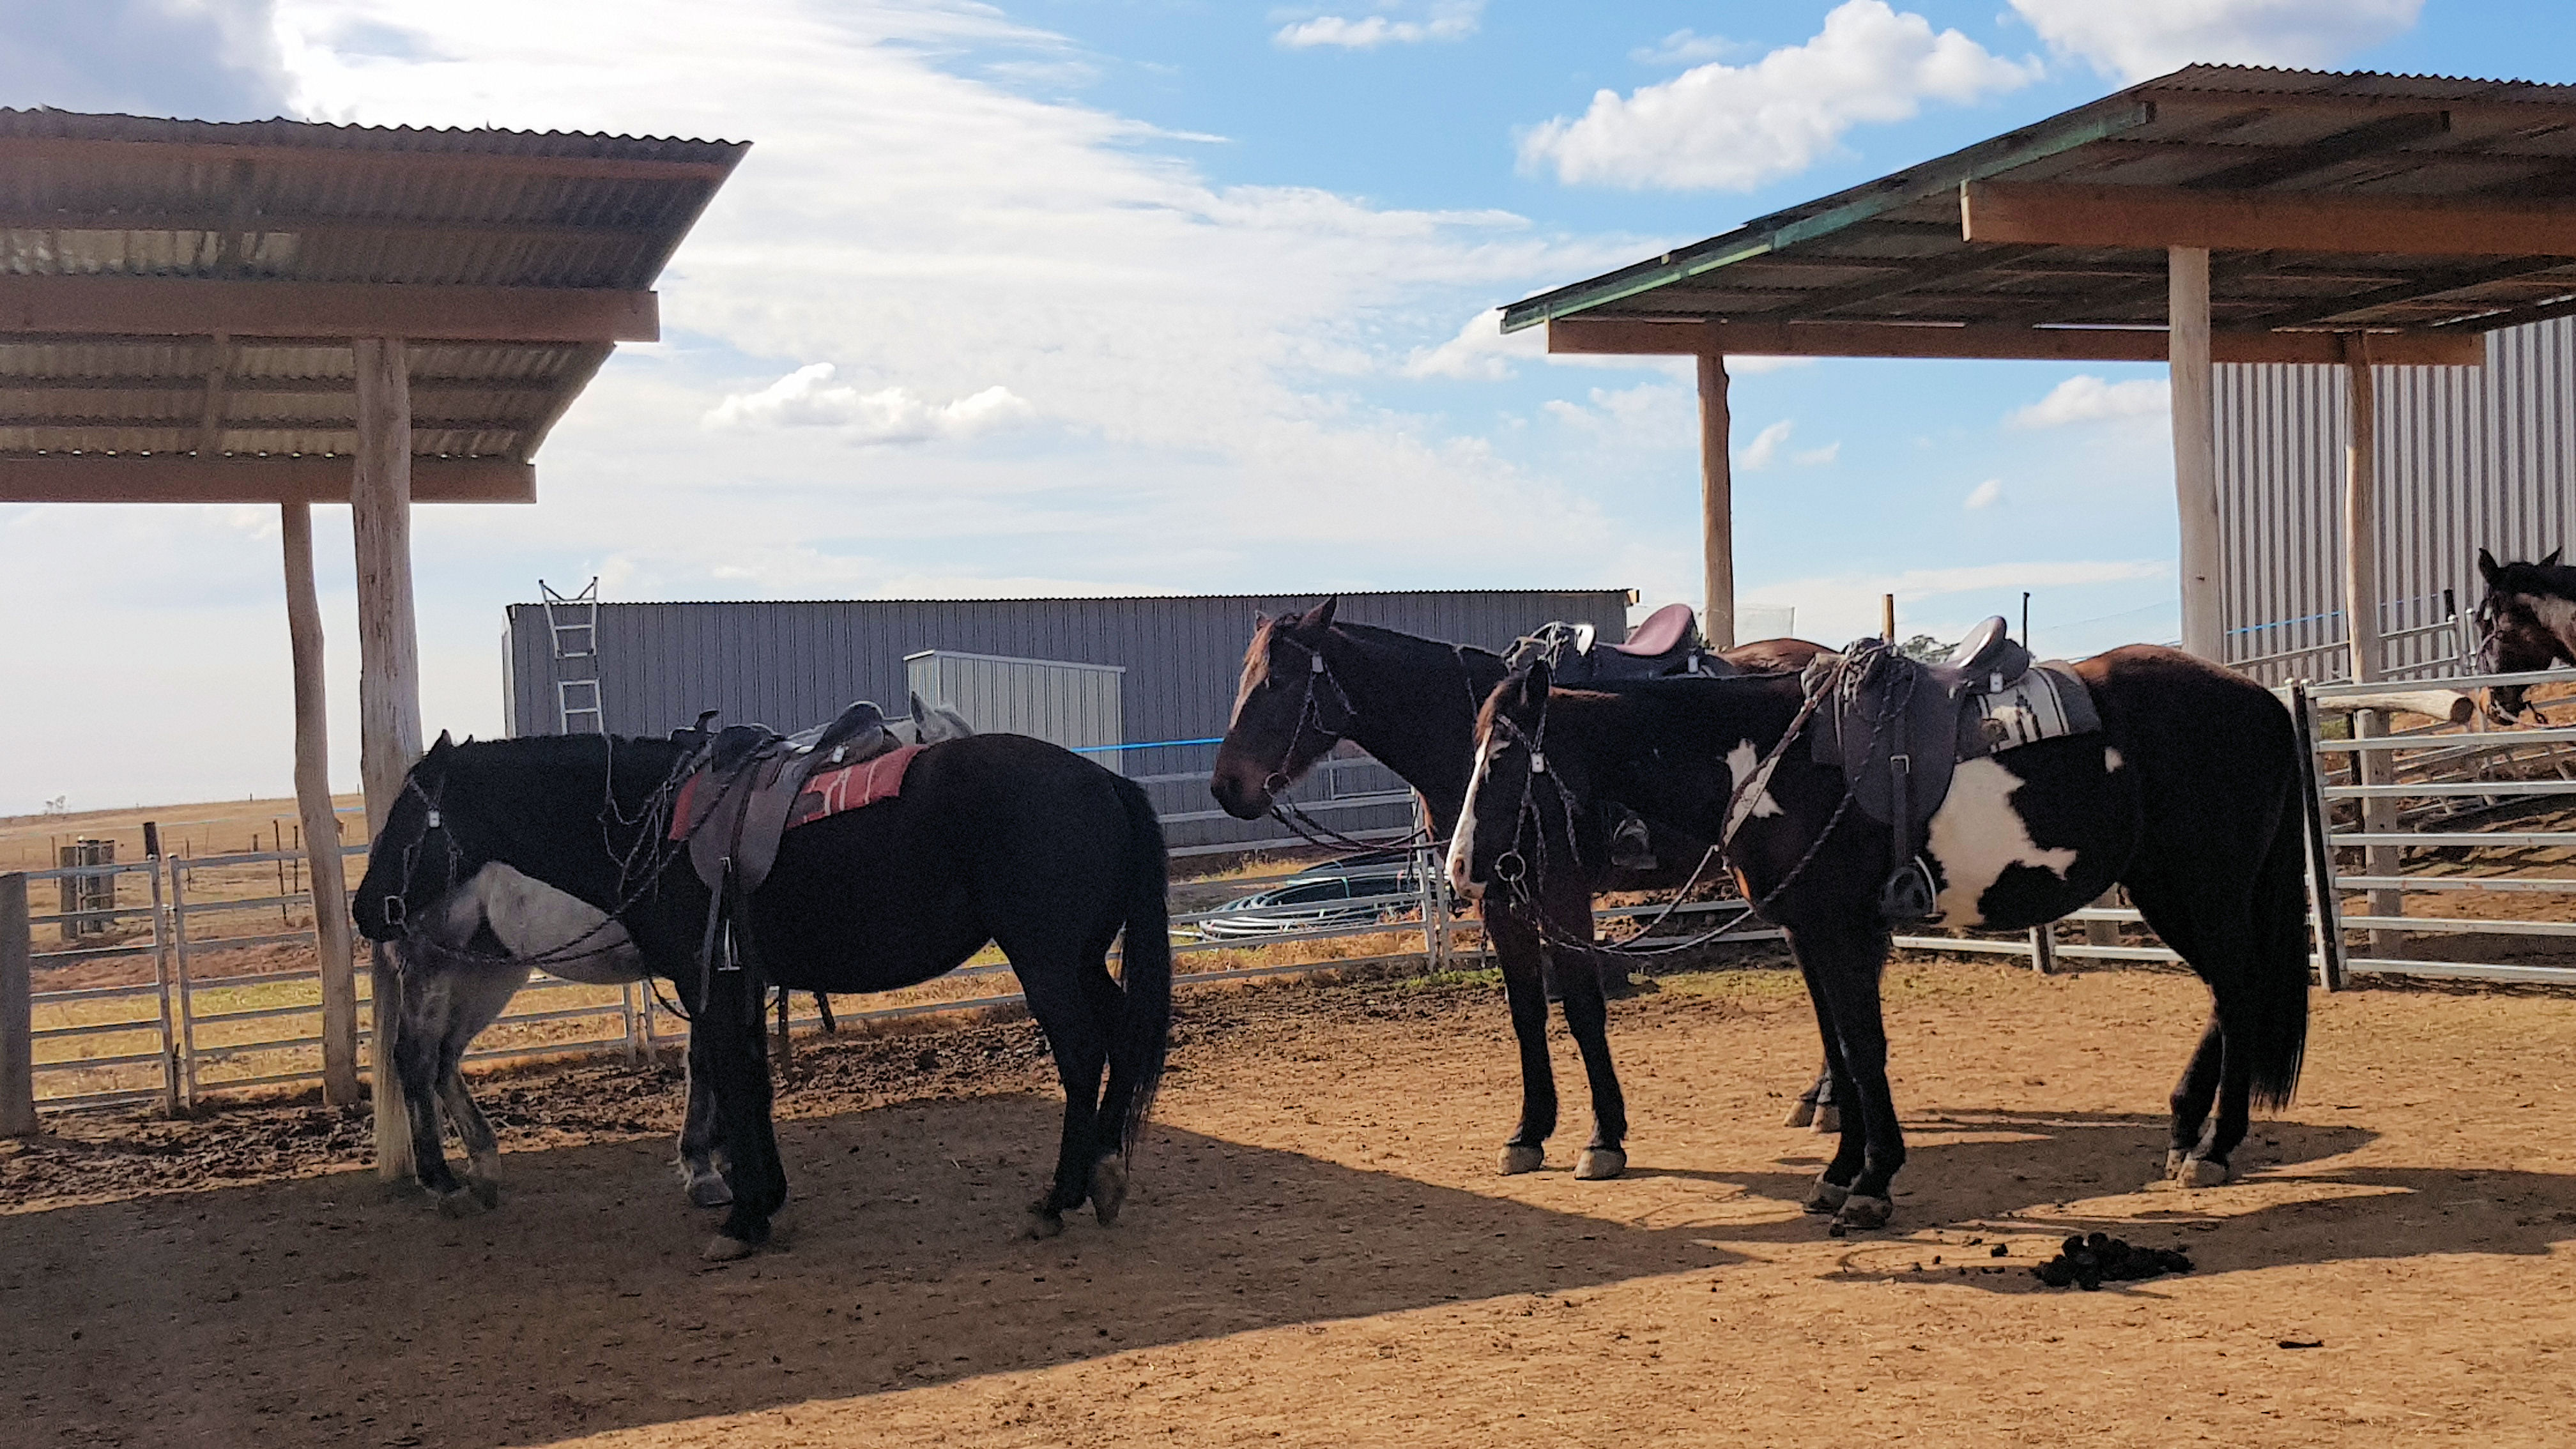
1909, 894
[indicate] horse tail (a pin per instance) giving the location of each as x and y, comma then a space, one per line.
393, 1120
1145, 964
2277, 994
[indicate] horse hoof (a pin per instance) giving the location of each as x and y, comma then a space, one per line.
2202, 1172
487, 1191
1597, 1163
1828, 1197
721, 1249
458, 1204
1829, 1121
1108, 1189
1859, 1211
1519, 1158
2174, 1159
709, 1192
1803, 1114
1044, 1224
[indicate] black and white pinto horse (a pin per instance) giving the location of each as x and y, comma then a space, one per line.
455, 973
2526, 622
993, 839
2188, 796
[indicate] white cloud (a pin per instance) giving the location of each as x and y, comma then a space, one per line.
1818, 457
1685, 47
808, 398
2133, 41
1735, 127
1986, 494
2085, 398
1447, 20
1651, 412
1765, 447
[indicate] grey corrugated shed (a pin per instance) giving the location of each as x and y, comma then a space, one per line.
1073, 705
2467, 458
791, 664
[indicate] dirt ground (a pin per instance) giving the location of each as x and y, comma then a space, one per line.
1319, 1251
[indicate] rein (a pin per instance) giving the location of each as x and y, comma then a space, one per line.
1294, 816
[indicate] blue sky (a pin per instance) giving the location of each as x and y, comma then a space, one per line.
1101, 296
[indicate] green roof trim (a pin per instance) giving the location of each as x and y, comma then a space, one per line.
1830, 214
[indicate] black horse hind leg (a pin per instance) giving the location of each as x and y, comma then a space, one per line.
2216, 939
418, 1061
1065, 1010
1517, 952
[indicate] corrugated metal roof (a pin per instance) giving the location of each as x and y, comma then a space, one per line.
292, 201
1891, 250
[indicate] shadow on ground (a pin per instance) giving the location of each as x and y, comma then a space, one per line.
323, 1311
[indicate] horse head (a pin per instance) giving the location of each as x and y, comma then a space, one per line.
424, 851
2527, 621
1288, 711
1524, 802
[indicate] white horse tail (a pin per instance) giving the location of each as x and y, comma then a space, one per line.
394, 1162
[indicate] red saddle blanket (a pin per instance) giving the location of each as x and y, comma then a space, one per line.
826, 792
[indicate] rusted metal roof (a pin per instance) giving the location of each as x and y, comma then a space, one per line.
286, 204
1895, 250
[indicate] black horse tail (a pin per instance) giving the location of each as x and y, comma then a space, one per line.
1145, 964
2278, 990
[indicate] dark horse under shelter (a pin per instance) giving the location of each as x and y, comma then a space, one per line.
2188, 796
997, 838
1310, 682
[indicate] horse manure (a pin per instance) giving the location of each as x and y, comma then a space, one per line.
2303, 1343
2000, 1250
2088, 1261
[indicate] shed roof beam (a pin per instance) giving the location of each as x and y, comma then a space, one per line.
179, 478
188, 306
2161, 216
159, 155
1621, 336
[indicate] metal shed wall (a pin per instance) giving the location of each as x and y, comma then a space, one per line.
1073, 705
795, 663
2467, 457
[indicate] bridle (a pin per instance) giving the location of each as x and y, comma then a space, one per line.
1310, 713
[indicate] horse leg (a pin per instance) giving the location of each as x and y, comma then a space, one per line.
698, 1176
482, 1146
728, 1047
1516, 950
1108, 1181
2193, 1096
1587, 1020
417, 1062
2198, 1149
1064, 1011
1842, 960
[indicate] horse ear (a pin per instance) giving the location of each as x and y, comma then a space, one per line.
1534, 689
442, 745
1321, 616
2549, 560
2487, 567
1260, 620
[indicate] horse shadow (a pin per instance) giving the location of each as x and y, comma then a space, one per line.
325, 1309
2012, 1175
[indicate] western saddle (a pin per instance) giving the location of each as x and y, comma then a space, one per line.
1897, 728
1666, 642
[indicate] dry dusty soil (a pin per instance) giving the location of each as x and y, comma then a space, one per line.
1319, 1252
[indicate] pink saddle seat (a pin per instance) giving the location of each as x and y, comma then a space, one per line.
1662, 631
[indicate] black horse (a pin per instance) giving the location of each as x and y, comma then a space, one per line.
2527, 621
1310, 683
997, 838
2188, 797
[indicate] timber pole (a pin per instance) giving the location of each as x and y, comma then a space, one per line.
17, 1004
380, 519
313, 807
1716, 504
2195, 447
2361, 617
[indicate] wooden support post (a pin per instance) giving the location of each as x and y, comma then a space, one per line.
1716, 504
17, 1025
2368, 649
2195, 445
380, 517
1887, 618
2043, 950
2104, 933
313, 808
